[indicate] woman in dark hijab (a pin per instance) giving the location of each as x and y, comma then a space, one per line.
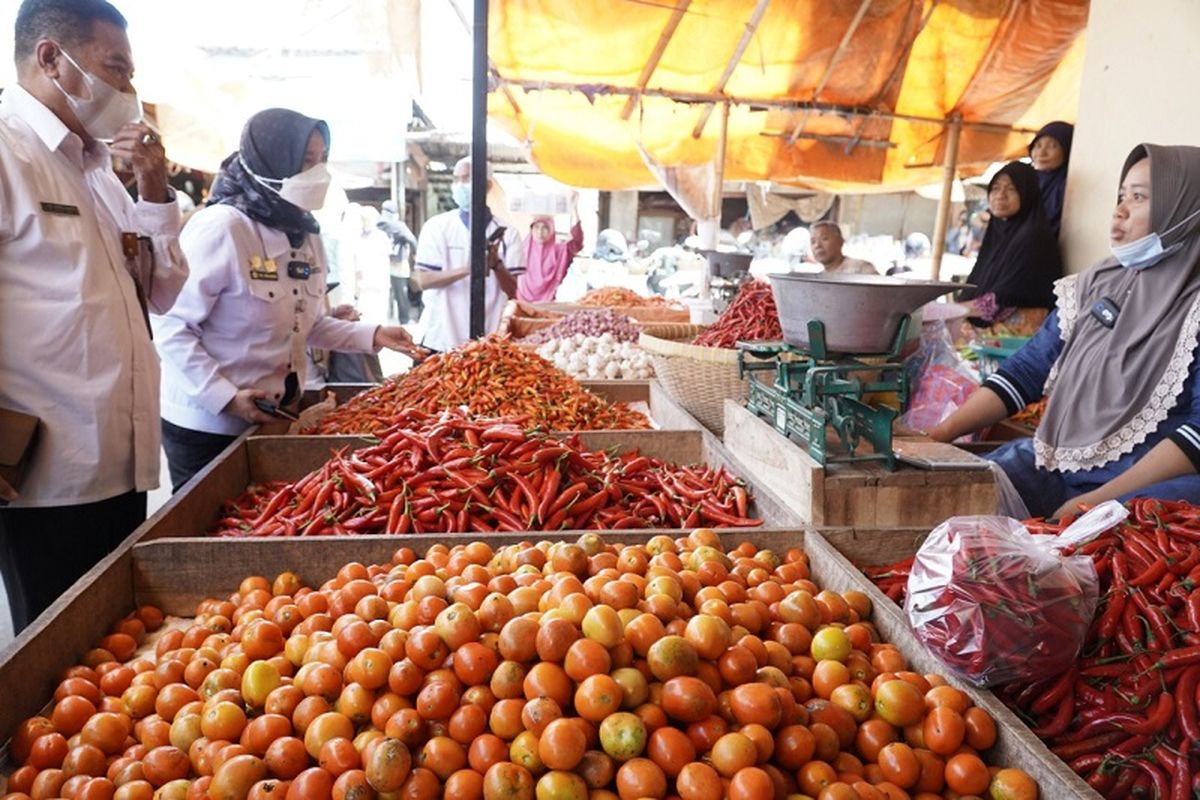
1018, 261
1050, 152
1117, 358
233, 345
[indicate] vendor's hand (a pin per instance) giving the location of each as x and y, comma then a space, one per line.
242, 406
396, 338
7, 492
143, 149
938, 433
345, 311
1071, 507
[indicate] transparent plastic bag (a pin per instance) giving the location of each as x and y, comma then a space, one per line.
311, 417
941, 381
997, 604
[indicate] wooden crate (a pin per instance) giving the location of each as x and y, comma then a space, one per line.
865, 495
254, 459
665, 413
176, 574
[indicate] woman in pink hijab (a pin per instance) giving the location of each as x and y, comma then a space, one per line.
547, 260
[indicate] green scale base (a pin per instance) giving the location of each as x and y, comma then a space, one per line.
817, 397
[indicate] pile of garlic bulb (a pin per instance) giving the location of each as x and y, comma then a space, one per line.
598, 358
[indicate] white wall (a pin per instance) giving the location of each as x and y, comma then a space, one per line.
1138, 85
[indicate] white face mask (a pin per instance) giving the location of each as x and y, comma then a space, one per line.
1147, 251
305, 190
461, 193
105, 110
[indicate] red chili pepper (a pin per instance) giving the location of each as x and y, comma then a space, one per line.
1054, 695
1156, 571
1092, 744
1062, 717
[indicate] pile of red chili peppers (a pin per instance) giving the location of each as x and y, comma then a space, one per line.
1125, 716
751, 317
449, 473
492, 378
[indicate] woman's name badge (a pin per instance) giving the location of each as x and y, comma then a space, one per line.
263, 270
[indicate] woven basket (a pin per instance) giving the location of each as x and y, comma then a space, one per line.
676, 331
700, 379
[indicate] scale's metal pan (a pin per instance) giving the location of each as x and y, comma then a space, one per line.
861, 313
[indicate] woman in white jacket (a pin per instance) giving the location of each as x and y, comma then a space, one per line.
235, 339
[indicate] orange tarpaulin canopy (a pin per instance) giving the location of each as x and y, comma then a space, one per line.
847, 95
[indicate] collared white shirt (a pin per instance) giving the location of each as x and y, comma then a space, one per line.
445, 244
74, 349
241, 322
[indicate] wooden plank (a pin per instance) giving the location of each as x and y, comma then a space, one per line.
678, 447
765, 503
630, 391
31, 664
776, 463
855, 495
667, 413
195, 506
873, 547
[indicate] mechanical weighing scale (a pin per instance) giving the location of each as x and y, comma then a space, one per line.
843, 337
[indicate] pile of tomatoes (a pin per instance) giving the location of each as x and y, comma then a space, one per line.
558, 671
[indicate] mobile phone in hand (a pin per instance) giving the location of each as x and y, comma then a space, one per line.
267, 407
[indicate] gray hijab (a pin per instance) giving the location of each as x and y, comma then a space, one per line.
1110, 389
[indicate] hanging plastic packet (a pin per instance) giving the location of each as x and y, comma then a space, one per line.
998, 604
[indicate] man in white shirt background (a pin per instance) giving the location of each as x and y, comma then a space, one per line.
826, 245
75, 349
443, 271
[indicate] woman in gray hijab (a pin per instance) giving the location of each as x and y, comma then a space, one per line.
1117, 358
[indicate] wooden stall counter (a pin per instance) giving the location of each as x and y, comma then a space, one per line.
862, 495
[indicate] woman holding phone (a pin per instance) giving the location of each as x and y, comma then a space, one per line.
233, 345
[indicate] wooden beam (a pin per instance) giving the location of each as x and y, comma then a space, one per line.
747, 35
897, 71
656, 55
950, 160
830, 139
754, 103
833, 62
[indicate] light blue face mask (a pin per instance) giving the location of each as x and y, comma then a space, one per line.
461, 192
1147, 251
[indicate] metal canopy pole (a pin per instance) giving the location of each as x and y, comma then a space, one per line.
950, 161
479, 180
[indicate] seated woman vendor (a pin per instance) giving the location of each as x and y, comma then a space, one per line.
1117, 358
1013, 278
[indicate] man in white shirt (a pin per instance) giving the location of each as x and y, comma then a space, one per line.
75, 349
444, 269
826, 244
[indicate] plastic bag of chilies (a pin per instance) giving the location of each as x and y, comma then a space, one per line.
998, 604
941, 380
